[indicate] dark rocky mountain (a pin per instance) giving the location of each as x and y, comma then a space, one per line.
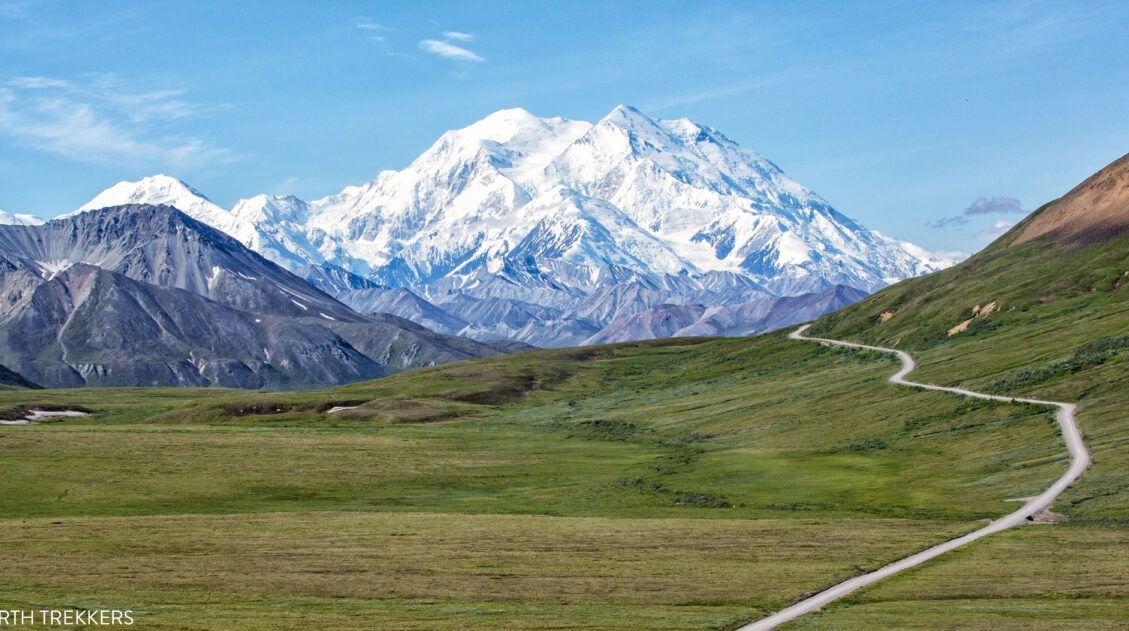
636, 307
12, 380
145, 295
662, 321
406, 304
162, 246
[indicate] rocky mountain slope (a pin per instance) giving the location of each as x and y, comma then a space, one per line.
561, 215
145, 295
1094, 211
750, 318
12, 380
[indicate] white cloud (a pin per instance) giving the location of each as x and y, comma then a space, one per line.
38, 83
287, 186
369, 25
101, 120
458, 36
715, 92
448, 50
996, 230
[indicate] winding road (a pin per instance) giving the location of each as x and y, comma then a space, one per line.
1079, 460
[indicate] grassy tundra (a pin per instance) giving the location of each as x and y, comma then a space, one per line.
677, 484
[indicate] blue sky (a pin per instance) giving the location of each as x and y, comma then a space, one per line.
939, 122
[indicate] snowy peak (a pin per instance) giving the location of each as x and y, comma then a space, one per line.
163, 190
504, 126
629, 118
266, 224
153, 187
15, 219
271, 208
649, 136
514, 142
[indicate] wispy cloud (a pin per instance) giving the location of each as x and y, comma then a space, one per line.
715, 92
458, 36
448, 50
995, 231
102, 120
368, 24
948, 222
14, 8
287, 186
982, 206
37, 83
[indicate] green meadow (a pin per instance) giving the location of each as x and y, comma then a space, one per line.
677, 484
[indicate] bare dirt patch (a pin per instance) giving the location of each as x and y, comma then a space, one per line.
978, 313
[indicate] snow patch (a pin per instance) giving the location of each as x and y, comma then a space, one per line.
51, 269
34, 416
213, 276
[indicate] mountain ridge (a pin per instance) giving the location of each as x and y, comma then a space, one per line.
1094, 211
146, 295
516, 206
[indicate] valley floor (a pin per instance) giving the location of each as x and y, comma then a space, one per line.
675, 484
437, 570
1064, 576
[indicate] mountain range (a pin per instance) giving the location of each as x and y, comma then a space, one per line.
145, 295
547, 231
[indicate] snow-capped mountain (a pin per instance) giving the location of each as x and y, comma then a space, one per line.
653, 196
167, 191
145, 295
14, 219
260, 223
563, 215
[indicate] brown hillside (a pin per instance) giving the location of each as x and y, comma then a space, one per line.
1096, 210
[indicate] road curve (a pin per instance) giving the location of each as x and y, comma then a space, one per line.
1079, 460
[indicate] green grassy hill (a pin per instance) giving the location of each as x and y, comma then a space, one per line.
1058, 329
